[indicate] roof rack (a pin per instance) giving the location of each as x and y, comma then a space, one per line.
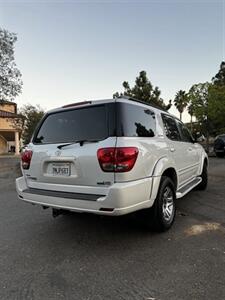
140, 101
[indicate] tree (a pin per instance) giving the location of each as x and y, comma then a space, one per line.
143, 90
181, 101
216, 108
30, 116
219, 78
10, 76
190, 111
199, 98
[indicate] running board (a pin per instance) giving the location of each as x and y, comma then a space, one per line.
188, 187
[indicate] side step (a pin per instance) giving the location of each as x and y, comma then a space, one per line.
188, 187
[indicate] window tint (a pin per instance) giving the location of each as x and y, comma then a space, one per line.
171, 129
134, 120
78, 124
184, 132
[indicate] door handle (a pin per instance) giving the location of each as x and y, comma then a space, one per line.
190, 149
172, 149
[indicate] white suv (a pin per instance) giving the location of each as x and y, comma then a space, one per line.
112, 157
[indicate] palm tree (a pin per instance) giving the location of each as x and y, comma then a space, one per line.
181, 101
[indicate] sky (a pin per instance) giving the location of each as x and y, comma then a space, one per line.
70, 51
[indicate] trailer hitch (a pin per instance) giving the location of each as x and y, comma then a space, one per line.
56, 212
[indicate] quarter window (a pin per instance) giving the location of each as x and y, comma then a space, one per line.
134, 120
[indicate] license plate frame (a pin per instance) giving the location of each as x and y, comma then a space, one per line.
61, 169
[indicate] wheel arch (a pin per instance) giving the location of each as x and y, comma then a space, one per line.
164, 164
204, 160
172, 174
163, 167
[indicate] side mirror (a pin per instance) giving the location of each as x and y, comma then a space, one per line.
200, 139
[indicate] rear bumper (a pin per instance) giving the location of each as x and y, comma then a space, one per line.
121, 198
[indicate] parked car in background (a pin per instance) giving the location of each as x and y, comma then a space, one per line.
219, 145
112, 157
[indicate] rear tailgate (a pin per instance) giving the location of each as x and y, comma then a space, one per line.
58, 165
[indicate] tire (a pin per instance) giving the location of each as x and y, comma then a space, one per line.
203, 184
161, 216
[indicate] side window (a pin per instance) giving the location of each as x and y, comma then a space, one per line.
134, 120
171, 129
184, 132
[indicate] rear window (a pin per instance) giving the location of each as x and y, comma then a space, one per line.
89, 123
96, 122
135, 121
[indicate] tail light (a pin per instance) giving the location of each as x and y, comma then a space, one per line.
26, 159
117, 159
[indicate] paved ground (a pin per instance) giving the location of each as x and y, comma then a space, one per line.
91, 257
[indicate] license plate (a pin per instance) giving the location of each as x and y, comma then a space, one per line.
61, 169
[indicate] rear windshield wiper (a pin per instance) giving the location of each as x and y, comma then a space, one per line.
81, 142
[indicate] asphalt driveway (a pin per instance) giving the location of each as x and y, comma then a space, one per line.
82, 256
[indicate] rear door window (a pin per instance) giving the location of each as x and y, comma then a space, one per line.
89, 123
171, 128
184, 132
135, 121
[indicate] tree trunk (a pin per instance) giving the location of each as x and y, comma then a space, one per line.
181, 116
207, 136
191, 124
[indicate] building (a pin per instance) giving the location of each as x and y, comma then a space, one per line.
9, 133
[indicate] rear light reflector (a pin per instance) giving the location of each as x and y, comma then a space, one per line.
117, 159
26, 159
